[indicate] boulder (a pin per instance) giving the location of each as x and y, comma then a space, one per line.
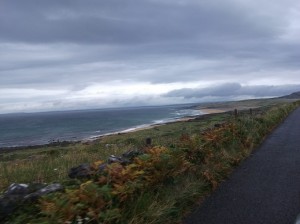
86, 171
114, 159
125, 159
12, 197
43, 191
17, 195
81, 171
131, 154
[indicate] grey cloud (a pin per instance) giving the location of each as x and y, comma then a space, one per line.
202, 28
73, 44
234, 90
132, 21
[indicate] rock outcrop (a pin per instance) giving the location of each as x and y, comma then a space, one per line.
17, 195
85, 171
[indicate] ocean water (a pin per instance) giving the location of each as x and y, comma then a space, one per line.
27, 129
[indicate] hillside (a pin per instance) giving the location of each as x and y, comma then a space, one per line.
295, 95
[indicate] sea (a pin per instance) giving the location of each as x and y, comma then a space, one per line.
28, 129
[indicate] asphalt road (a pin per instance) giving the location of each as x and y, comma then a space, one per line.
264, 189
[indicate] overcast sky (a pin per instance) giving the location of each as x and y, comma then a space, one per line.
75, 54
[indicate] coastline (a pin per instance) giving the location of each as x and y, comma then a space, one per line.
61, 127
204, 110
172, 152
141, 128
203, 113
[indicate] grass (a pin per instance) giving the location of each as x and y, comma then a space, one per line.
188, 160
49, 164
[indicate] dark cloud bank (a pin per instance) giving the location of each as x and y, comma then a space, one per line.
228, 90
71, 45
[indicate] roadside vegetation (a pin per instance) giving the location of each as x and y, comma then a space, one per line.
186, 161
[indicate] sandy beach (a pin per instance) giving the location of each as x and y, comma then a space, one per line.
213, 111
140, 128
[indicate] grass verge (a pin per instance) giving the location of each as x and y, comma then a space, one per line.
186, 162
